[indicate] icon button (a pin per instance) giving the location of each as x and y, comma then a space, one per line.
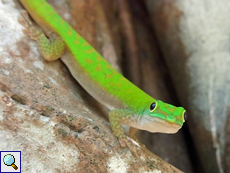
9, 160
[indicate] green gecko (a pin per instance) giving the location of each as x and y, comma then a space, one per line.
127, 103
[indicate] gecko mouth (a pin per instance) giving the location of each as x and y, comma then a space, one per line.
158, 125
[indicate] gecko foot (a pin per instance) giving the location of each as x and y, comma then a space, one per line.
129, 142
30, 29
51, 47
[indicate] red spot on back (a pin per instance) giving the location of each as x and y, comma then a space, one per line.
87, 60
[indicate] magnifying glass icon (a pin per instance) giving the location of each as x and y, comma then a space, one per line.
9, 160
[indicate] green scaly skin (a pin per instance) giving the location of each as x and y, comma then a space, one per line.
128, 104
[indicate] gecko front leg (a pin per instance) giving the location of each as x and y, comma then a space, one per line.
51, 48
116, 118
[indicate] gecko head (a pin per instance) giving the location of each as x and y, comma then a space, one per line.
162, 117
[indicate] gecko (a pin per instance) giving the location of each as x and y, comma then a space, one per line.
127, 104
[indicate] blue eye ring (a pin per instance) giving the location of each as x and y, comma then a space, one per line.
153, 106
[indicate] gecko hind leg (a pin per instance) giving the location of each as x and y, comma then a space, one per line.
51, 48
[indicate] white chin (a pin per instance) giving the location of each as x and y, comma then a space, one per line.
160, 126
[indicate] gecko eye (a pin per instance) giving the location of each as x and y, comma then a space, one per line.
153, 106
185, 116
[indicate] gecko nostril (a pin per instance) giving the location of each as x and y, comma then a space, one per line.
185, 116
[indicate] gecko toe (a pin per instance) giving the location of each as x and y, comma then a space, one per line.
130, 143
